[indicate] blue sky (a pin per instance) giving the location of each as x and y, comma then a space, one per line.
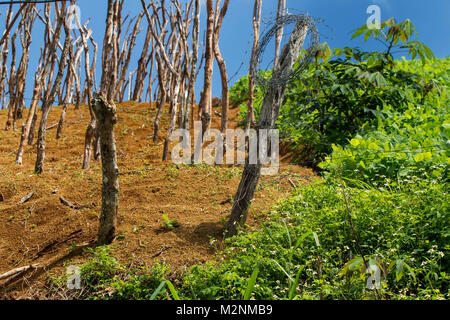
431, 18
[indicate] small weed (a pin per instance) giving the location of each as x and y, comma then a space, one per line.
120, 237
169, 224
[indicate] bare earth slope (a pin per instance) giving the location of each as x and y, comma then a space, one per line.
43, 229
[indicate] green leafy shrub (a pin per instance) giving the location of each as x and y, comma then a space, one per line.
100, 269
412, 142
239, 91
338, 95
140, 284
103, 277
305, 246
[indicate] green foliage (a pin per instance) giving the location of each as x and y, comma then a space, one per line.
386, 125
139, 284
251, 284
239, 95
239, 92
169, 224
399, 144
103, 277
312, 246
391, 33
100, 269
307, 249
338, 96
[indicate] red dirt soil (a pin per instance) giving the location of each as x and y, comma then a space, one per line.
43, 229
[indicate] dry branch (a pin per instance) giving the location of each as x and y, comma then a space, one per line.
75, 206
17, 271
57, 242
279, 34
26, 198
205, 104
292, 184
40, 268
52, 126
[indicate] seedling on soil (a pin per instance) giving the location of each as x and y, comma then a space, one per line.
169, 224
137, 228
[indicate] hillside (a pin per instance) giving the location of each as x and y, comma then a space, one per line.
43, 231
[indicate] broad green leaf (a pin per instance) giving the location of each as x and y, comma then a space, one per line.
399, 270
316, 238
424, 156
158, 290
282, 269
359, 31
172, 290
251, 284
293, 287
373, 146
355, 142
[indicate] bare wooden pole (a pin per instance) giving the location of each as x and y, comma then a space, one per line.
251, 81
183, 25
4, 55
150, 60
173, 65
279, 33
40, 145
90, 76
126, 55
221, 62
105, 112
163, 95
9, 27
16, 109
69, 82
12, 82
27, 27
205, 105
174, 68
194, 61
142, 66
269, 114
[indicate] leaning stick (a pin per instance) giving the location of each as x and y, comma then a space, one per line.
17, 271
